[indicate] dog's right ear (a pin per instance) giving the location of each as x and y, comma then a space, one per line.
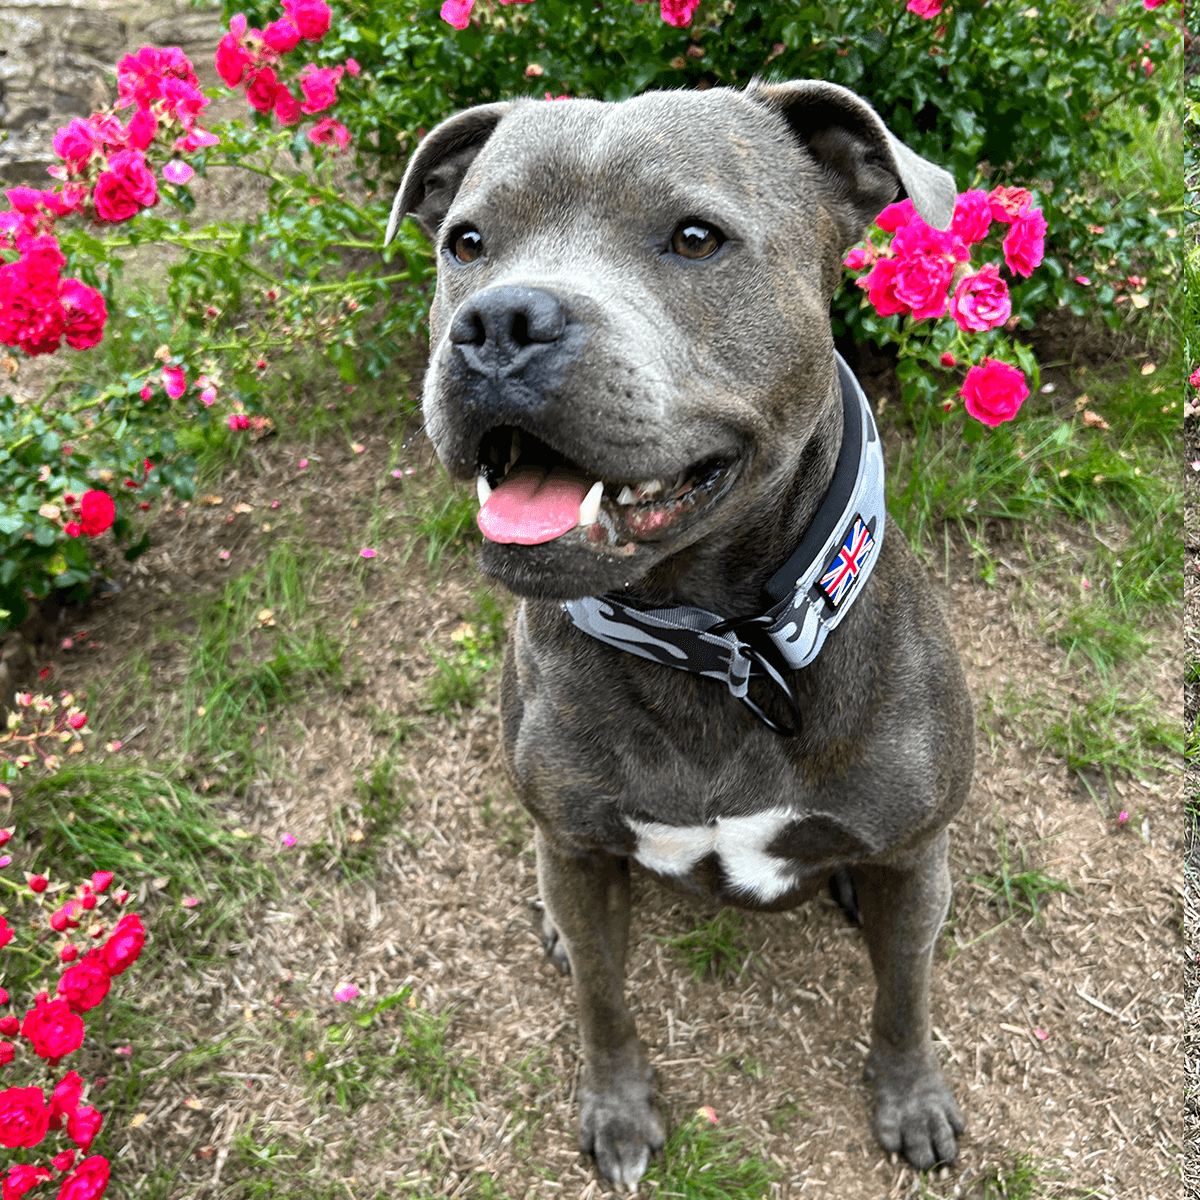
436, 170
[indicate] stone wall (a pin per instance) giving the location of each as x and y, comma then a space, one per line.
58, 61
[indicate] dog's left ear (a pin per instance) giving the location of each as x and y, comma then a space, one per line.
865, 165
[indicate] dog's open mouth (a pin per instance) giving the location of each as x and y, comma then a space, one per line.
529, 493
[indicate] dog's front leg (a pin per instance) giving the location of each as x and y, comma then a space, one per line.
587, 899
903, 906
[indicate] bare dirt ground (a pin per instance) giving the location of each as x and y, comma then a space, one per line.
1060, 1035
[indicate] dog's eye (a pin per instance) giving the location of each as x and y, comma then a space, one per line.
691, 239
468, 246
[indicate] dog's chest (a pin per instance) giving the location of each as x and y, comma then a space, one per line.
738, 845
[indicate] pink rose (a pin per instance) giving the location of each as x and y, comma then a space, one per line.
1025, 245
31, 314
138, 79
124, 944
879, 288
919, 238
22, 1178
859, 257
108, 131
896, 216
328, 132
88, 1181
24, 1117
981, 301
125, 188
83, 1125
85, 985
972, 216
311, 17
319, 85
50, 1026
232, 58
195, 139
287, 107
262, 90
183, 100
678, 12
1008, 203
926, 9
993, 392
143, 125
921, 282
85, 313
6, 936
280, 37
96, 512
66, 1098
174, 381
457, 12
74, 144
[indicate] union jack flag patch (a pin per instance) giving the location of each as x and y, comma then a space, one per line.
844, 569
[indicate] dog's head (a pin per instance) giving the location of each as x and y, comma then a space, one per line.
630, 343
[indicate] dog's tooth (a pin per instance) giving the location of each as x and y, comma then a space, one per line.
626, 496
589, 506
515, 452
650, 488
483, 488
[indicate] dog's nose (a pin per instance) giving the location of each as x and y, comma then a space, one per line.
502, 321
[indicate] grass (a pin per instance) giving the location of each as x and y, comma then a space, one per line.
347, 1061
258, 646
155, 834
1113, 732
701, 1162
459, 681
1020, 1179
1017, 886
445, 521
717, 946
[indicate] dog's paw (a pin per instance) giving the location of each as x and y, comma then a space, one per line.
552, 944
621, 1129
916, 1115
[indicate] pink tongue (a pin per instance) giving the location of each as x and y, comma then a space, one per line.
531, 506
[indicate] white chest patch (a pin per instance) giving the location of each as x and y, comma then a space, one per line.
739, 842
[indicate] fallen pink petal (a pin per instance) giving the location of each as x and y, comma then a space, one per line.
1122, 818
347, 991
708, 1113
288, 839
1040, 1034
189, 902
367, 553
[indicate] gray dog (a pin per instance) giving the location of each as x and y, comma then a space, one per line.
721, 667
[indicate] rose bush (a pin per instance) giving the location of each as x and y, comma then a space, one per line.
925, 274
52, 1029
85, 460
